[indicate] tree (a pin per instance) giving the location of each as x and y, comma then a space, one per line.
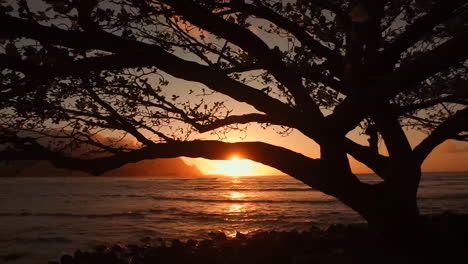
76, 70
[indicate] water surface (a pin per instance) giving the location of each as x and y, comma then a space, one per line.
42, 218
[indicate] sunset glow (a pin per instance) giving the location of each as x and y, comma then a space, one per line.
235, 208
236, 195
235, 166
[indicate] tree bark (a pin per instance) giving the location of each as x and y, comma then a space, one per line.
391, 211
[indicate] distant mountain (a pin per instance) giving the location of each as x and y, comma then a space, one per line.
174, 167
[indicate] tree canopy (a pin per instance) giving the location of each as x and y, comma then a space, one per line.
75, 70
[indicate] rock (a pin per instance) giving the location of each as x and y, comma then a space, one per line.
191, 243
118, 248
134, 249
239, 235
161, 242
10, 257
314, 230
302, 259
218, 236
335, 228
205, 243
176, 244
146, 239
67, 259
336, 244
78, 253
100, 248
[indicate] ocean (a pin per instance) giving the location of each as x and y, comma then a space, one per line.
44, 218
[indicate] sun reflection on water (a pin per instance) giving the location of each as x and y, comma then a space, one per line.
236, 208
236, 195
235, 180
243, 232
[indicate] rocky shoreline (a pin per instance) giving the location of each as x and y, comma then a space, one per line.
334, 244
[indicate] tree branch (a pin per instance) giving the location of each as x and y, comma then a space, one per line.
429, 103
441, 12
335, 60
249, 42
121, 121
351, 111
449, 129
234, 119
129, 52
287, 161
40, 73
367, 156
424, 66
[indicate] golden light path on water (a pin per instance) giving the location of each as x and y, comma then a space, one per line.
237, 209
237, 195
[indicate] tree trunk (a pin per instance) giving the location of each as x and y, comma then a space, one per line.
390, 207
392, 214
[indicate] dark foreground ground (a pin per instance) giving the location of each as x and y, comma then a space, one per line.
447, 242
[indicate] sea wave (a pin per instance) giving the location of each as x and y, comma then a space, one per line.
188, 199
444, 196
112, 215
136, 214
42, 240
136, 196
110, 195
308, 189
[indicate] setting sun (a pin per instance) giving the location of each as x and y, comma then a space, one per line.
236, 167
